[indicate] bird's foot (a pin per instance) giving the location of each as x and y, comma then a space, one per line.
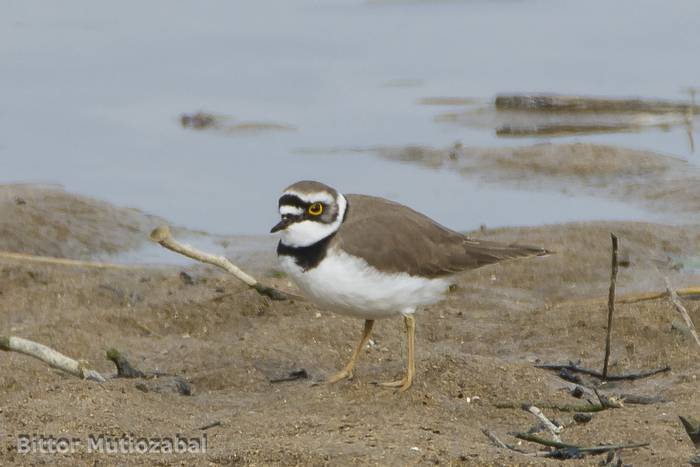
341, 375
403, 384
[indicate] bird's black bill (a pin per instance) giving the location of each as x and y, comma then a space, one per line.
281, 225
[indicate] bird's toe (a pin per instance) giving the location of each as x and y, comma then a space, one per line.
341, 375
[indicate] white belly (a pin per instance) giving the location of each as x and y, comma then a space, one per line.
348, 285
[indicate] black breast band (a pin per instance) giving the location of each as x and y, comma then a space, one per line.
306, 257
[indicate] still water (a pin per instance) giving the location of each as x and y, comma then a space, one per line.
91, 94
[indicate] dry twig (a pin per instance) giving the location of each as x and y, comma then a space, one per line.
63, 261
553, 429
124, 368
549, 405
681, 309
162, 236
497, 441
575, 368
692, 427
688, 292
611, 303
609, 402
210, 425
590, 450
49, 356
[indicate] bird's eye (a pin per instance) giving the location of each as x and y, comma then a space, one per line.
316, 209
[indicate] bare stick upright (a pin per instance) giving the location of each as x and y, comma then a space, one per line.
611, 303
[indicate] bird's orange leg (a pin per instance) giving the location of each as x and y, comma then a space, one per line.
347, 371
406, 382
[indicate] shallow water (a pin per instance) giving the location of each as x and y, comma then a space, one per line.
92, 94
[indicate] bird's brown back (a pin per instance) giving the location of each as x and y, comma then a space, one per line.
395, 238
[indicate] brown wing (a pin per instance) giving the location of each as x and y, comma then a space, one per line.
395, 238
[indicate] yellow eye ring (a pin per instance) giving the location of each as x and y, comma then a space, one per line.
316, 209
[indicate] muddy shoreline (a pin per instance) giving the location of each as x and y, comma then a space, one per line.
474, 350
645, 179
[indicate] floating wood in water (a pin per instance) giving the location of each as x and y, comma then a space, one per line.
514, 116
447, 101
203, 121
557, 103
199, 120
563, 130
564, 124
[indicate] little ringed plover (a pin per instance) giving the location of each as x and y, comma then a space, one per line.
372, 258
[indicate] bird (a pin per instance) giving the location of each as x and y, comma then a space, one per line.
372, 258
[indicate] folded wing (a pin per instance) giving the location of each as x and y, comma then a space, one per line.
395, 238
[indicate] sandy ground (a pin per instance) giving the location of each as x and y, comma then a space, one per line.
45, 220
474, 350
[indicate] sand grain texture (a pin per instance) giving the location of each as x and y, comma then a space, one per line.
228, 342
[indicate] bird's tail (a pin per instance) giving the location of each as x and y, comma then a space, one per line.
489, 252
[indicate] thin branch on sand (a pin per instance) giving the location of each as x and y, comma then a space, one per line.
62, 261
611, 303
561, 450
575, 368
590, 450
553, 429
497, 441
548, 405
49, 356
572, 367
681, 309
688, 292
692, 427
689, 117
162, 236
609, 402
124, 368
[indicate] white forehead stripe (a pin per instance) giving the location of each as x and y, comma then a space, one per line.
322, 196
305, 233
285, 209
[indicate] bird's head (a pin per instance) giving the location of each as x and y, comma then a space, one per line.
310, 211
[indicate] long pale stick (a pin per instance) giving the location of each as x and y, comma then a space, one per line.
164, 238
50, 356
11, 255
